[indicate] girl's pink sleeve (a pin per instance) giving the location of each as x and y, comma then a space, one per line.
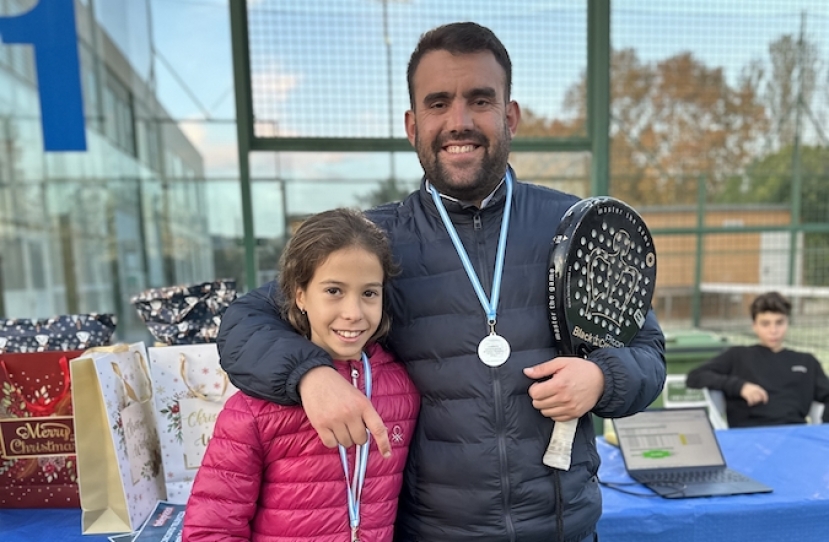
223, 501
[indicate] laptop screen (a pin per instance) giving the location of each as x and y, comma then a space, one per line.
656, 439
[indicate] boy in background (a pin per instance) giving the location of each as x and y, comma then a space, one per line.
765, 384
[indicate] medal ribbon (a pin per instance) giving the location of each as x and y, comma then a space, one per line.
489, 305
354, 486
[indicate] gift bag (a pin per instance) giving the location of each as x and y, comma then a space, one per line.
190, 390
120, 475
37, 442
187, 314
66, 332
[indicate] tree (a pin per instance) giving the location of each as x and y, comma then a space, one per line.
793, 67
770, 179
387, 191
678, 119
533, 125
672, 121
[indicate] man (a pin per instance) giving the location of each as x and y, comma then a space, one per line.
765, 384
474, 470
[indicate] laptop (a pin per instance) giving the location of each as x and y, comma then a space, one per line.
675, 453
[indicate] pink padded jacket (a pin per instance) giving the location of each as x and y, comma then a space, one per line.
267, 477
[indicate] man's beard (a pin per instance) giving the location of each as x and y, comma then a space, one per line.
489, 174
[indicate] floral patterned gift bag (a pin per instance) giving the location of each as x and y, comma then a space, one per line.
190, 390
119, 456
37, 443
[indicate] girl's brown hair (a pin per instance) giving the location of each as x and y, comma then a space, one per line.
314, 241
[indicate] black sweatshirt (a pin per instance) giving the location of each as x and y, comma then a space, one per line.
792, 379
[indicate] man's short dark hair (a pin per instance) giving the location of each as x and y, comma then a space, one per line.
770, 302
460, 39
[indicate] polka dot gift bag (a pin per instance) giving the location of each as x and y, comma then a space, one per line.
37, 441
64, 332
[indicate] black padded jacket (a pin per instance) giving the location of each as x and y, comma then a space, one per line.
474, 470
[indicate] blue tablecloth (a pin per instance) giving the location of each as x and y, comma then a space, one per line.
46, 525
794, 460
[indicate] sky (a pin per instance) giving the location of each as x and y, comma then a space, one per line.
323, 90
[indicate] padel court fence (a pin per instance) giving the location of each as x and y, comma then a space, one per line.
710, 118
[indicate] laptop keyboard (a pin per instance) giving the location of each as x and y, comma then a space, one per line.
693, 477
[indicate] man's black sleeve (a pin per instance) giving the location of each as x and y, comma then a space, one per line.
262, 354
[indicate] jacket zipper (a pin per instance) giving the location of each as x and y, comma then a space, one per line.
355, 380
502, 454
355, 377
506, 494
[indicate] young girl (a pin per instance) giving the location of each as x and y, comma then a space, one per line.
266, 475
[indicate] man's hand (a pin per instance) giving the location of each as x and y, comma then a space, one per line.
754, 394
574, 389
339, 412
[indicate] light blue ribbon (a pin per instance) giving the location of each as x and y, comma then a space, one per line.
354, 487
489, 305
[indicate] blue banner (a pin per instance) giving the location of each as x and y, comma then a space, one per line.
50, 28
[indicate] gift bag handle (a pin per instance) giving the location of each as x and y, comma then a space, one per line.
129, 390
195, 392
41, 406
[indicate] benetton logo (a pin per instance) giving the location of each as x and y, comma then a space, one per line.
36, 437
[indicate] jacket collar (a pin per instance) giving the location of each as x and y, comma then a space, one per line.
495, 200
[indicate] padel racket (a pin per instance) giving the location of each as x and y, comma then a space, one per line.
602, 273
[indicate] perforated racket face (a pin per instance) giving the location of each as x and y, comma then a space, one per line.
602, 276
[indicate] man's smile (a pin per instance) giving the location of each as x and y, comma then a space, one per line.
459, 149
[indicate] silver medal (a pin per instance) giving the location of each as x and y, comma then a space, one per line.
493, 350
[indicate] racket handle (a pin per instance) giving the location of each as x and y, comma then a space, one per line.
560, 448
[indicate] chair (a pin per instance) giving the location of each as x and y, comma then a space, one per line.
677, 395
814, 417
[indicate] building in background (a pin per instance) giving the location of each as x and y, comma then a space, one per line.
83, 231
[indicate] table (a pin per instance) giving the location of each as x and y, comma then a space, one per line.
793, 460
44, 525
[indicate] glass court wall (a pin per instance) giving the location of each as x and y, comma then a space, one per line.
83, 231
